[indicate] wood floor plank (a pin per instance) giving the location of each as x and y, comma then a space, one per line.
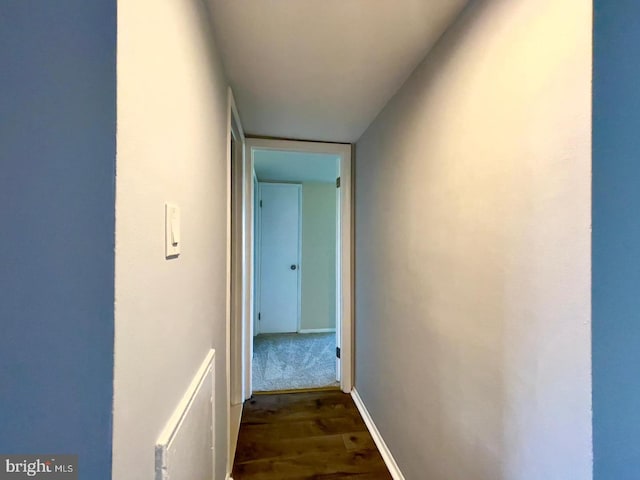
358, 440
312, 435
291, 447
307, 466
302, 428
262, 406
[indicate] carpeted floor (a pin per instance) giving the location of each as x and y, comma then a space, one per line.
291, 361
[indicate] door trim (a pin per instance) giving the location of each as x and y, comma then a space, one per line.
345, 312
259, 256
236, 387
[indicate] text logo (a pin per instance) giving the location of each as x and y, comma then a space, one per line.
43, 467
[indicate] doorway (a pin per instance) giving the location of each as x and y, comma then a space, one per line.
290, 318
295, 333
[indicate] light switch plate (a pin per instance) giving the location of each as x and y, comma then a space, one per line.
172, 230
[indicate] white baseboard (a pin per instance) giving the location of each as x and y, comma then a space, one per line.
317, 330
377, 438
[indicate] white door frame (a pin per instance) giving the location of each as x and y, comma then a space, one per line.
255, 255
344, 313
258, 256
338, 276
237, 287
235, 340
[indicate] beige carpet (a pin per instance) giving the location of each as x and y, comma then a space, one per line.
294, 361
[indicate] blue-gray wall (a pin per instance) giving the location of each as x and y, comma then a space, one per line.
57, 160
616, 240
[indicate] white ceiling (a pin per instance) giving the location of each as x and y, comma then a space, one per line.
271, 165
322, 69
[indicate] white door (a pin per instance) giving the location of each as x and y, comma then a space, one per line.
338, 279
279, 308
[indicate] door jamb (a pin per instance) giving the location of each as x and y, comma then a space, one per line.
234, 128
345, 312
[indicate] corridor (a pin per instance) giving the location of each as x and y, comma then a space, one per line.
487, 245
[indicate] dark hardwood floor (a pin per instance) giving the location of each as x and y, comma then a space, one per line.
314, 435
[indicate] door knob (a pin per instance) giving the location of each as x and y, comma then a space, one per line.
293, 267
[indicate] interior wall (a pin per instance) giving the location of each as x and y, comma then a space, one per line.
616, 240
57, 152
318, 256
172, 146
473, 212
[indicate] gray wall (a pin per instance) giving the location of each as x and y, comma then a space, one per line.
172, 146
473, 251
57, 156
318, 256
616, 240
